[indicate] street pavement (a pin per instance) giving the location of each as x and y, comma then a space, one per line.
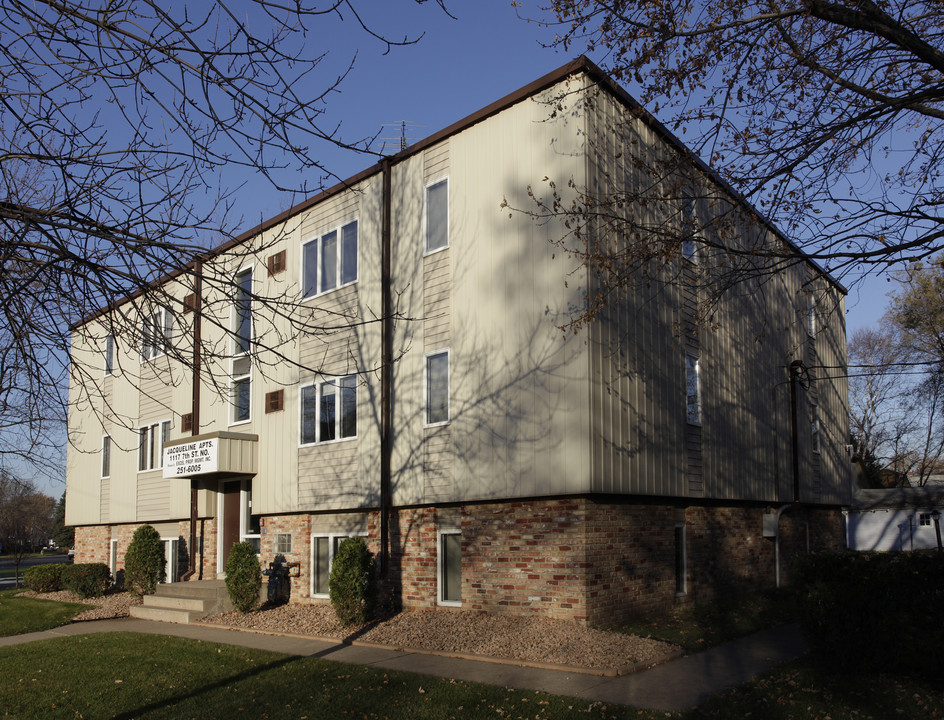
673, 686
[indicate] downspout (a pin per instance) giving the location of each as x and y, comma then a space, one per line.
386, 373
795, 368
195, 412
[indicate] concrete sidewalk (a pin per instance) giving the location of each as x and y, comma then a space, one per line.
677, 685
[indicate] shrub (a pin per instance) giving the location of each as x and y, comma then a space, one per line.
44, 578
144, 561
873, 611
243, 576
87, 579
352, 584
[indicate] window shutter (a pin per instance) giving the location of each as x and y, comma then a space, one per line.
274, 401
190, 302
186, 422
277, 263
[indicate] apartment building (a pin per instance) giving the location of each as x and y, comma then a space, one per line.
386, 359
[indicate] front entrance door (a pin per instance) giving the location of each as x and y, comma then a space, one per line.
231, 506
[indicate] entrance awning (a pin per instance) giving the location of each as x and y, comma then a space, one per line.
211, 454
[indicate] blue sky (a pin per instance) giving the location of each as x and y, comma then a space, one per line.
457, 67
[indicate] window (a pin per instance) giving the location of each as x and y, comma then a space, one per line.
151, 439
437, 388
450, 567
241, 384
155, 334
109, 354
810, 315
242, 313
329, 410
437, 216
323, 550
815, 439
330, 261
283, 543
693, 388
681, 560
113, 558
106, 456
924, 520
252, 530
170, 545
241, 391
689, 226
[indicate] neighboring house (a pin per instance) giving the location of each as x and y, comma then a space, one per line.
894, 518
591, 476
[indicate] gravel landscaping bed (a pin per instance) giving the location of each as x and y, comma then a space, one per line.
524, 638
113, 605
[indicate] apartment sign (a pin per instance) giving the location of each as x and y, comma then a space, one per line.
194, 458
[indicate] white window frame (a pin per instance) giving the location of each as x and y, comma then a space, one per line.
171, 549
316, 244
157, 329
427, 250
694, 411
924, 520
113, 557
106, 456
334, 539
241, 356
440, 559
155, 463
245, 513
278, 537
237, 381
426, 399
109, 355
235, 316
318, 386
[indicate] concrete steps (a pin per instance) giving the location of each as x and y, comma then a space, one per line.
184, 602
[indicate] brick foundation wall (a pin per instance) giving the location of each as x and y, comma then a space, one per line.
596, 562
93, 544
572, 558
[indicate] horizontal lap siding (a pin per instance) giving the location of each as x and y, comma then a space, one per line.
153, 497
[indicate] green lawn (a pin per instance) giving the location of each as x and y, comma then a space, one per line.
19, 615
123, 675
126, 675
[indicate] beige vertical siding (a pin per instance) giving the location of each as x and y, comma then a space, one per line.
642, 443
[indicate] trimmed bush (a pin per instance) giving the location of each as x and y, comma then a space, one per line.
144, 561
873, 612
44, 578
352, 584
87, 579
243, 576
